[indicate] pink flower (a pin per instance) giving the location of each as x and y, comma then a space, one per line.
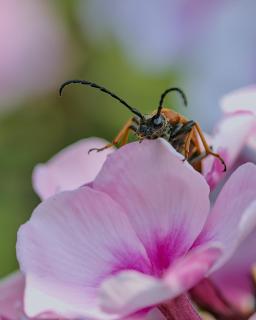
235, 140
240, 100
139, 235
70, 168
236, 130
34, 54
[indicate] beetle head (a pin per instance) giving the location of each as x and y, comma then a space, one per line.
152, 127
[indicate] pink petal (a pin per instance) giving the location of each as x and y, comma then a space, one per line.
70, 168
129, 291
253, 317
160, 195
233, 216
58, 299
11, 296
240, 100
189, 270
234, 279
230, 137
73, 241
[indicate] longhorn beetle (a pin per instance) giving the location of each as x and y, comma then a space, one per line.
181, 133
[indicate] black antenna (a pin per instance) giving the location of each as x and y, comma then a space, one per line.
163, 95
94, 85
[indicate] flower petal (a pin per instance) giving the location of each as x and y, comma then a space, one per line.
243, 99
160, 195
233, 216
234, 280
72, 242
189, 270
230, 137
130, 291
70, 168
11, 296
47, 296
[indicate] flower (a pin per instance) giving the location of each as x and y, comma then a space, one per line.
137, 236
234, 139
34, 54
235, 131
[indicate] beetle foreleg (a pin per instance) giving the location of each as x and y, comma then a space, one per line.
133, 128
122, 135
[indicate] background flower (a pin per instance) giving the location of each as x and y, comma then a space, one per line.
34, 52
234, 138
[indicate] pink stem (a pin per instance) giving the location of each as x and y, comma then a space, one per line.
180, 308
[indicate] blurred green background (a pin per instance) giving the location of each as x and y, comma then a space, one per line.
136, 49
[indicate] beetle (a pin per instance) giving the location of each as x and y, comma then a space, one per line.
183, 134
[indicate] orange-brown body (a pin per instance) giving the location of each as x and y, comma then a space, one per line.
183, 134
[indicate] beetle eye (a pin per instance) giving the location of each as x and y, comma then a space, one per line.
158, 121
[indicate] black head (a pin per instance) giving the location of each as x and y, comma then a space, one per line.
152, 127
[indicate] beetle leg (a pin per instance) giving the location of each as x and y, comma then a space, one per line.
207, 148
117, 139
126, 134
187, 143
193, 159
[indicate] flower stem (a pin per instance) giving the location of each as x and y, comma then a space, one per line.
179, 309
